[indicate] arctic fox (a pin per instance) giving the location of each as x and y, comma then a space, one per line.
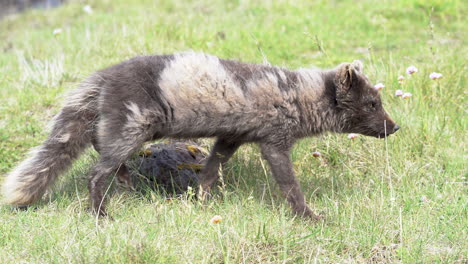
191, 95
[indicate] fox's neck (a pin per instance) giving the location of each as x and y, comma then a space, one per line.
316, 102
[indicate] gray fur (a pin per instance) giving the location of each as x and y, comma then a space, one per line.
189, 95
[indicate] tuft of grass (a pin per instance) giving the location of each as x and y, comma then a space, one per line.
399, 200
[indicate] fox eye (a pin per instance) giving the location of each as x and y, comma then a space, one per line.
373, 105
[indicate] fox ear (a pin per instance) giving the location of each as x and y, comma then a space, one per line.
345, 74
358, 65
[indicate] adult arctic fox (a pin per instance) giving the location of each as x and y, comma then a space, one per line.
189, 95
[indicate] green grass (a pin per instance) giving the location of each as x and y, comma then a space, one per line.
400, 200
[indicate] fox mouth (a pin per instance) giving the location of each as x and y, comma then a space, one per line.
378, 134
384, 135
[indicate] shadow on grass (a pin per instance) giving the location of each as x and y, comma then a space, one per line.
245, 176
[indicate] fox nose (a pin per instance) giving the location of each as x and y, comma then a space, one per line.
395, 128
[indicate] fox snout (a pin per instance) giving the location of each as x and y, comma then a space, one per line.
393, 130
390, 127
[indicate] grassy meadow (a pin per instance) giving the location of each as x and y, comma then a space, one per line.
400, 200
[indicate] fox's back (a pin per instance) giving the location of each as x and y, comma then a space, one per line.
197, 89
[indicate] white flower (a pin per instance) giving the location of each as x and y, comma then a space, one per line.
87, 9
352, 136
57, 31
424, 199
406, 95
401, 79
379, 86
316, 154
435, 75
411, 69
398, 93
216, 219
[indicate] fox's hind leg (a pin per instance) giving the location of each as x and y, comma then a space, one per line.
123, 175
220, 154
116, 145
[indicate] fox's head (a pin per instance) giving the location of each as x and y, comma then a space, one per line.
358, 103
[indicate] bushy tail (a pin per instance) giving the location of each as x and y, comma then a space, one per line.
71, 133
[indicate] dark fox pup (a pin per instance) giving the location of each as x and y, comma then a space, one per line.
191, 95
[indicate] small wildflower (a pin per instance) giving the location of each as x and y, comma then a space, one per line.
424, 199
398, 93
401, 79
406, 95
57, 31
411, 69
352, 136
379, 86
435, 75
87, 9
216, 219
316, 154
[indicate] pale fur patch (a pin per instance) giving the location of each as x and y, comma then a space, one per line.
137, 117
138, 121
64, 138
310, 83
358, 65
205, 94
102, 127
20, 179
85, 95
134, 131
282, 76
195, 82
264, 91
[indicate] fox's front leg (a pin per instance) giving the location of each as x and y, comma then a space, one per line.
220, 154
281, 167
